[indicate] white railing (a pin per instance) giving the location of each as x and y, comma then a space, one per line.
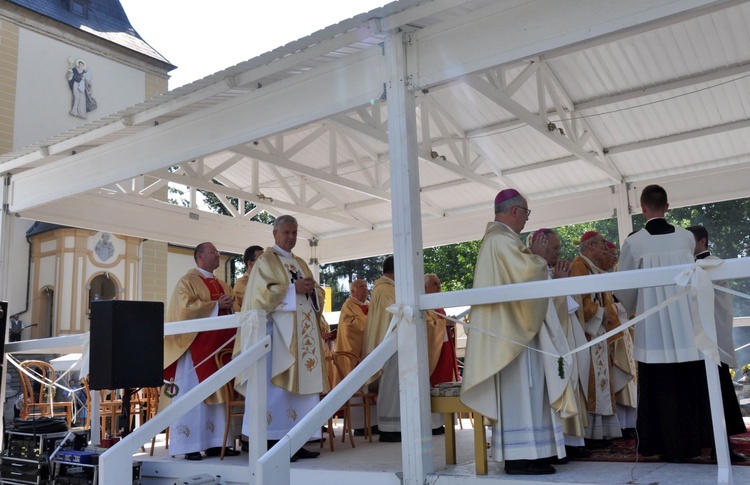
117, 463
273, 467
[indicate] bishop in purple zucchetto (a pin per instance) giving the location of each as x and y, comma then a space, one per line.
504, 195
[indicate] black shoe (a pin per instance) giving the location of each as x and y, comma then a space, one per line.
216, 451
598, 444
375, 429
390, 437
438, 431
529, 467
195, 456
577, 452
305, 454
734, 457
359, 432
554, 460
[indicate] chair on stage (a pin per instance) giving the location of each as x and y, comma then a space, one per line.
38, 386
344, 362
234, 403
151, 396
445, 399
110, 407
344, 412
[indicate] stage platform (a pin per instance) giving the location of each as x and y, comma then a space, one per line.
380, 463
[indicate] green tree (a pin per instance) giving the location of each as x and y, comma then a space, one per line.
453, 264
339, 275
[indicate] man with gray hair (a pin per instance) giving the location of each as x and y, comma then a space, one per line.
503, 379
352, 324
282, 288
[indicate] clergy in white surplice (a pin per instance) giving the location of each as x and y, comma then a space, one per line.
671, 374
504, 376
281, 287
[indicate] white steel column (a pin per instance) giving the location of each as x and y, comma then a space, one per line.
626, 207
5, 237
416, 435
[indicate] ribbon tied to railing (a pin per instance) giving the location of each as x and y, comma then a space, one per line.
701, 299
401, 314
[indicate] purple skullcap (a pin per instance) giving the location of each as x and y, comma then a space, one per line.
610, 245
504, 195
539, 232
588, 235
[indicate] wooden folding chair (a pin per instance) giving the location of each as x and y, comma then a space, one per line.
232, 399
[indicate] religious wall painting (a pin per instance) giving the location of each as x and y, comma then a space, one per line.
79, 81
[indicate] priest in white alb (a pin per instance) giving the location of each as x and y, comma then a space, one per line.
503, 379
282, 291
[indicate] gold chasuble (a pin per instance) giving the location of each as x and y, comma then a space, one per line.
190, 300
503, 259
435, 337
378, 318
298, 363
238, 292
351, 334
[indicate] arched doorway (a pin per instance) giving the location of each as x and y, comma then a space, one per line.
102, 287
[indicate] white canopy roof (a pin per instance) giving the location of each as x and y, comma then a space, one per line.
576, 104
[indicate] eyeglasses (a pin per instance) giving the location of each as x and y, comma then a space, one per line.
209, 252
528, 211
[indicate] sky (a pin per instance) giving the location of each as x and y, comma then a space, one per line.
202, 37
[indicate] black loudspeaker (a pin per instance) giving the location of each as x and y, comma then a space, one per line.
127, 344
3, 323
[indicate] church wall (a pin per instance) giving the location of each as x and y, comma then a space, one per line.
179, 261
35, 103
8, 63
154, 272
155, 85
66, 261
18, 264
42, 87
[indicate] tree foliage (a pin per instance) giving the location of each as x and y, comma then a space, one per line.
453, 264
339, 275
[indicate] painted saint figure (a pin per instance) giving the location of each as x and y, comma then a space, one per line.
79, 79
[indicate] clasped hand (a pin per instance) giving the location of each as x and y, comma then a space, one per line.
304, 285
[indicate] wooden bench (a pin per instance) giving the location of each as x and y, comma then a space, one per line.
450, 405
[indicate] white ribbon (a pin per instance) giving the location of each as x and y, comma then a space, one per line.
250, 324
401, 313
702, 305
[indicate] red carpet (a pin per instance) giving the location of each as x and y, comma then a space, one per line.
623, 450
